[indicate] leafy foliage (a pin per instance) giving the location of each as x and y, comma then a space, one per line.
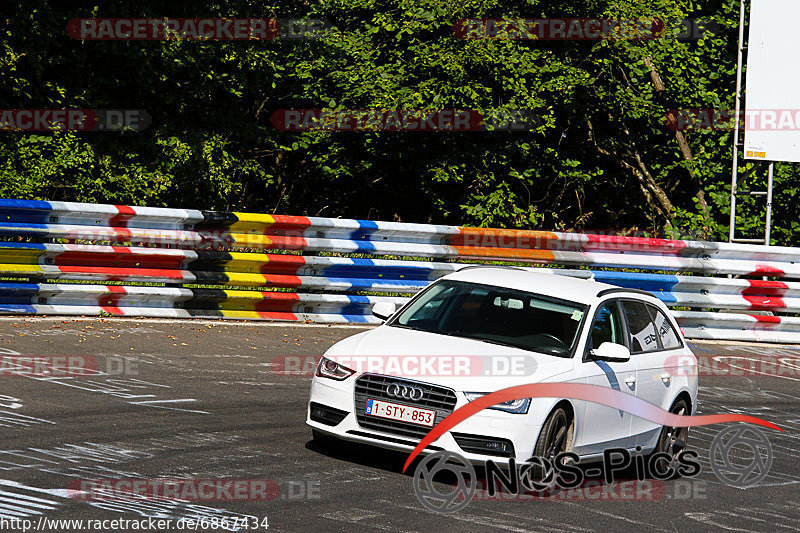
599, 155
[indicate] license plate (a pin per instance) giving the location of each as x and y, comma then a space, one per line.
403, 413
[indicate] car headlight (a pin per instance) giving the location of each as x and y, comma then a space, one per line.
328, 368
513, 406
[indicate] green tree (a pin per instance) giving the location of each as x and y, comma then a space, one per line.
599, 154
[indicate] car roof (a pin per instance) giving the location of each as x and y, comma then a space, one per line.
579, 290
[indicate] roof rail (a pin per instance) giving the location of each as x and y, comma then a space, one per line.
511, 267
620, 289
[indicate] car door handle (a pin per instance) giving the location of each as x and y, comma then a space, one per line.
665, 377
630, 381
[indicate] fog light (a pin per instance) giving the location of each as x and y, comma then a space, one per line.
326, 415
484, 445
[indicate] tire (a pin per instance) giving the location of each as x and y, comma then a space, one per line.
556, 437
673, 440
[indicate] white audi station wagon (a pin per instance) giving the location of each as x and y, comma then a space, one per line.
483, 329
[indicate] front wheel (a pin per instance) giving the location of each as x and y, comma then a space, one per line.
555, 438
556, 435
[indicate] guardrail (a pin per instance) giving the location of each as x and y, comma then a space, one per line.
232, 252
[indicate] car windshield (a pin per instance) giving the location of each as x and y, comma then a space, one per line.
496, 315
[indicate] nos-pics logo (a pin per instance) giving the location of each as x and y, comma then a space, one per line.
740, 456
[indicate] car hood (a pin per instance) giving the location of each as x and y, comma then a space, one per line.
463, 364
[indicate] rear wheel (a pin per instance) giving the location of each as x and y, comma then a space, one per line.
673, 440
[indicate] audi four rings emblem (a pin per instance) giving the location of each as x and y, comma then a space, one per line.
406, 392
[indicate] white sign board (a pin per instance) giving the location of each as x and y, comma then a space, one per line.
772, 114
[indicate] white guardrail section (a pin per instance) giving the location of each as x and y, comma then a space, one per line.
250, 266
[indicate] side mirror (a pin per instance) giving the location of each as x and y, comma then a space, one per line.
383, 310
609, 351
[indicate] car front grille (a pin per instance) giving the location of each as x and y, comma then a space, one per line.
437, 398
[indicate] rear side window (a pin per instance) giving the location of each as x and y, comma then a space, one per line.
640, 326
666, 333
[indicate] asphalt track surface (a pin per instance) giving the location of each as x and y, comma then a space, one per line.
203, 400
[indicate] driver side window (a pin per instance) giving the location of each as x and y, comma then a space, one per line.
607, 326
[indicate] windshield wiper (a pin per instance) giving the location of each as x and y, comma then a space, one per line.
557, 352
412, 328
472, 337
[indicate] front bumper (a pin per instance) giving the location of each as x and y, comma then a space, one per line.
521, 430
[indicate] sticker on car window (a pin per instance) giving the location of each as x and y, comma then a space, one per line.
577, 315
